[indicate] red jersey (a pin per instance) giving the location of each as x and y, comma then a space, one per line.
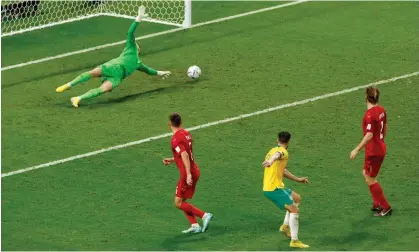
182, 141
375, 120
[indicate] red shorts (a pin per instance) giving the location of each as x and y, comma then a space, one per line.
372, 165
183, 190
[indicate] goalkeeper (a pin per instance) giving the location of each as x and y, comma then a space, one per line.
114, 71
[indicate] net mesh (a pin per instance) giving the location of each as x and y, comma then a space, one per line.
166, 11
19, 16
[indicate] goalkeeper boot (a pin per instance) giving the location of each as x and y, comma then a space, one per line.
63, 88
75, 101
298, 244
285, 229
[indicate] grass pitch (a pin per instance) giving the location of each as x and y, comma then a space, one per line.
123, 200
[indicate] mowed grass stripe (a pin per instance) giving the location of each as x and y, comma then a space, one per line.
231, 119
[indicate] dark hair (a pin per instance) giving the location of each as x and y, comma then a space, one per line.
284, 137
175, 119
373, 94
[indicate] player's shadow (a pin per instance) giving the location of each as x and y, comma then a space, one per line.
176, 85
132, 97
175, 242
360, 233
127, 98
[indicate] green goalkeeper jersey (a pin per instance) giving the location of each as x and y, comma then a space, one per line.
128, 59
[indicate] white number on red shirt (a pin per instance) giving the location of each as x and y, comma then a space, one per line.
381, 131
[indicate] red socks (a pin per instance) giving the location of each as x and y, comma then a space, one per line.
378, 195
188, 208
190, 217
374, 197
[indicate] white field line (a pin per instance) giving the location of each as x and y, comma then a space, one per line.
231, 119
149, 36
50, 24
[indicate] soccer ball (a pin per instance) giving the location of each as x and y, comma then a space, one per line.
194, 72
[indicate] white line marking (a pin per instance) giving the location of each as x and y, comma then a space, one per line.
50, 25
149, 36
231, 119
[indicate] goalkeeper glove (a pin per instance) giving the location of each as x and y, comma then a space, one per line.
141, 14
163, 74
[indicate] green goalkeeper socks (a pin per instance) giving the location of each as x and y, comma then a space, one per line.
92, 93
80, 79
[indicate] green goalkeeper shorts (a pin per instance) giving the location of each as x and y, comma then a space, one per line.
114, 73
281, 197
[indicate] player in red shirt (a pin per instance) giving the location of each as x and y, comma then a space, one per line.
374, 126
189, 175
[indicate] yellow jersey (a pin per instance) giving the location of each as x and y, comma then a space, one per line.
272, 178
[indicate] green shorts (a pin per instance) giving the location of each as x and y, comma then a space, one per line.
280, 197
113, 73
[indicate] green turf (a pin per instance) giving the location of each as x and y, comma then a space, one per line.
123, 200
102, 30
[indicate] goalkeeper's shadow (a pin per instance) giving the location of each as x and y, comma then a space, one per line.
134, 96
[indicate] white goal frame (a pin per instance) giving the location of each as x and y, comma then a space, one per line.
187, 19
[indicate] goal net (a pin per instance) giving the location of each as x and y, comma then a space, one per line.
18, 16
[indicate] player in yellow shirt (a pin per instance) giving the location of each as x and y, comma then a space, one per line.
274, 189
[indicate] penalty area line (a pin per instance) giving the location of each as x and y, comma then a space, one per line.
231, 119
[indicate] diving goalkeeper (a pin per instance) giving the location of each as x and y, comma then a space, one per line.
115, 70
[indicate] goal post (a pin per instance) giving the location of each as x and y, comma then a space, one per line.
19, 16
187, 22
